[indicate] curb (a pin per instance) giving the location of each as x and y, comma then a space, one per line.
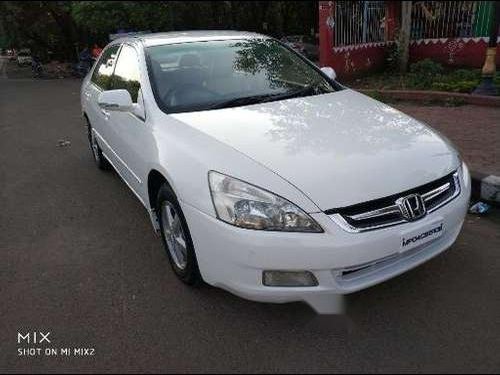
435, 96
485, 187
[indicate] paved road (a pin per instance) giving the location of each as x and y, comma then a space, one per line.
79, 259
473, 129
3, 65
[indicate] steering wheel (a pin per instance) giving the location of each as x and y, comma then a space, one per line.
187, 94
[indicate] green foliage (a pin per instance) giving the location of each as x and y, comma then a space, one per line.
460, 80
428, 75
63, 27
426, 67
461, 86
424, 73
43, 26
102, 18
392, 57
464, 75
393, 53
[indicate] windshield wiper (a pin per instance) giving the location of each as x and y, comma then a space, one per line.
303, 91
247, 100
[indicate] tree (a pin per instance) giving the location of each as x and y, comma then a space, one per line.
101, 18
404, 35
43, 26
58, 28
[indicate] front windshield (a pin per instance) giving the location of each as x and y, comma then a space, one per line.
217, 74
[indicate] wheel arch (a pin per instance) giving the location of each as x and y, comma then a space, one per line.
156, 179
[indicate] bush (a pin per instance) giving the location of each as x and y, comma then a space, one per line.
429, 75
426, 67
459, 86
392, 56
465, 75
424, 73
460, 80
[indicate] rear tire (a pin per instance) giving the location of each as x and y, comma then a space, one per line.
99, 159
176, 237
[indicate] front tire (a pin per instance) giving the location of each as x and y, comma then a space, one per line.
176, 237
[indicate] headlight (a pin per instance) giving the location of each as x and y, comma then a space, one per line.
247, 206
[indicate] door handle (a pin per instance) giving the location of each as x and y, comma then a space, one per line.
105, 113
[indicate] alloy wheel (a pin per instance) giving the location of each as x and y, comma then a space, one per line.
174, 234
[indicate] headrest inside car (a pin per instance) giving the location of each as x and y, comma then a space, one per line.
189, 60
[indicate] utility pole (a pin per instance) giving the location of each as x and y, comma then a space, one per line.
404, 35
487, 86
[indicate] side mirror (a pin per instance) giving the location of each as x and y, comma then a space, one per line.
139, 109
330, 73
115, 100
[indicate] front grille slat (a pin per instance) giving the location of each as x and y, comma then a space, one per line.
434, 193
384, 212
376, 213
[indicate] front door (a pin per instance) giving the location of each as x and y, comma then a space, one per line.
128, 129
99, 82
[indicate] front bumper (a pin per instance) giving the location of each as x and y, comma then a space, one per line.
234, 259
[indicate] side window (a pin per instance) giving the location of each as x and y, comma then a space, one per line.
104, 68
127, 72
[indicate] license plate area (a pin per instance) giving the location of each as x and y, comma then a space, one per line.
421, 235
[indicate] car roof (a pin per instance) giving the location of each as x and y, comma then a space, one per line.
176, 37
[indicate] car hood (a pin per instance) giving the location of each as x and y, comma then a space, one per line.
339, 149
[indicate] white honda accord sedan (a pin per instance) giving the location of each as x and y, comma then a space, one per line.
265, 176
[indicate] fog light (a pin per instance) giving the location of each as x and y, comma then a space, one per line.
288, 278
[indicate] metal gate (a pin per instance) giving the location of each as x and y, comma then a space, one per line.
358, 22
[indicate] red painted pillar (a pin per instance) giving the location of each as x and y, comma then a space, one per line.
392, 13
326, 17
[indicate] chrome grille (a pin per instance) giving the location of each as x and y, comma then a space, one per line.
385, 212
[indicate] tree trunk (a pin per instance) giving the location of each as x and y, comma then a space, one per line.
404, 35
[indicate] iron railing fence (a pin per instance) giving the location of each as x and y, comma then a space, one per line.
358, 22
361, 22
450, 19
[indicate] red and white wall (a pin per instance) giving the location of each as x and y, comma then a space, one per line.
356, 59
353, 59
460, 52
